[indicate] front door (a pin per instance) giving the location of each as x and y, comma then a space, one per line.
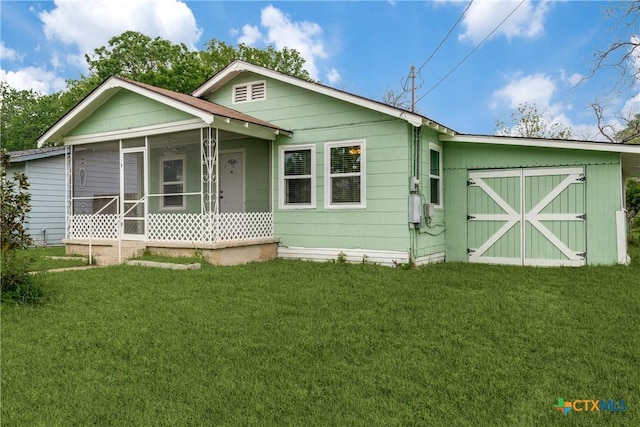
132, 193
232, 171
527, 216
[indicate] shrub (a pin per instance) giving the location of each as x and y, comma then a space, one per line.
15, 282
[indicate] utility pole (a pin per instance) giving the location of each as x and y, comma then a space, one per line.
413, 88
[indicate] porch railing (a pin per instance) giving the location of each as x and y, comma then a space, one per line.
176, 227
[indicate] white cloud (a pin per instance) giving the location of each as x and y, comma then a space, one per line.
483, 16
90, 24
8, 53
250, 35
37, 79
533, 88
333, 76
281, 32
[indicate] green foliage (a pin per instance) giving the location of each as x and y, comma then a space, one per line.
27, 114
15, 282
630, 134
529, 121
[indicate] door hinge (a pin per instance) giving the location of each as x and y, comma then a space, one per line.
582, 216
470, 182
470, 251
582, 178
469, 217
582, 254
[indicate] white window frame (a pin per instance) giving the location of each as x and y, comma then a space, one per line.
183, 182
281, 177
249, 86
363, 174
437, 148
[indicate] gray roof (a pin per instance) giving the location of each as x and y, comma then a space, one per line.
36, 153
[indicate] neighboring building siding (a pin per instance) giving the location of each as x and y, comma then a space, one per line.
317, 119
126, 110
603, 189
46, 179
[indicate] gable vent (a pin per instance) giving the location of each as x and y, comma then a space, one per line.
255, 91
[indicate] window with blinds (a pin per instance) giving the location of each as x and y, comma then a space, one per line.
297, 176
345, 165
255, 91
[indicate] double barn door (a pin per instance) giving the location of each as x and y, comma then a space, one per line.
530, 216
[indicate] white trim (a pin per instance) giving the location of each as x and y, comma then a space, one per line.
578, 170
438, 149
362, 174
544, 143
151, 130
429, 259
162, 183
281, 178
249, 87
503, 173
544, 262
102, 94
386, 258
494, 260
238, 66
621, 237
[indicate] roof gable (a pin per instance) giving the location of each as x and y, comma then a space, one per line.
237, 67
198, 108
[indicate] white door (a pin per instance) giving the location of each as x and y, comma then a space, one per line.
132, 193
232, 171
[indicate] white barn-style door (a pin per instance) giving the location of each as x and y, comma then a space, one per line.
532, 216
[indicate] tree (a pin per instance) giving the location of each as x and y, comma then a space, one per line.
27, 114
531, 122
623, 56
15, 282
630, 134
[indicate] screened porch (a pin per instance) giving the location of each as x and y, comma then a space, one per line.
198, 186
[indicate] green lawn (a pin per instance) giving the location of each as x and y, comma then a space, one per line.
42, 262
295, 343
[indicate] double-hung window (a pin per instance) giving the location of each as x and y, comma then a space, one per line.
345, 174
297, 177
435, 175
172, 182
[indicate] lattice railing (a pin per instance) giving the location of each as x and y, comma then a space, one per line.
86, 226
210, 228
180, 227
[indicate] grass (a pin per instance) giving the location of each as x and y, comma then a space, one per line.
295, 343
41, 262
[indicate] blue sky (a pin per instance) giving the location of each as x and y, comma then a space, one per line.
538, 55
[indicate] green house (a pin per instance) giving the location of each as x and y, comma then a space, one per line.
256, 164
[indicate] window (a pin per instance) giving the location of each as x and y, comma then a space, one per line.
297, 177
172, 181
345, 165
256, 91
435, 175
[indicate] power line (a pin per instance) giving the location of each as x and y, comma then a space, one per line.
472, 52
446, 37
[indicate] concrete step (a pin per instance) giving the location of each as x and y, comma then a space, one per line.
105, 261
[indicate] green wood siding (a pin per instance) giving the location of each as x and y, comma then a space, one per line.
317, 119
127, 110
429, 239
602, 191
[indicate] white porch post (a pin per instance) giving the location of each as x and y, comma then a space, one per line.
68, 189
209, 185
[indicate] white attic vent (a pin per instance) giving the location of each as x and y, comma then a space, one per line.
255, 91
